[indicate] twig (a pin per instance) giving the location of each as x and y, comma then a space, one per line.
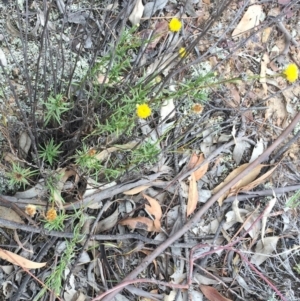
255, 194
123, 284
193, 221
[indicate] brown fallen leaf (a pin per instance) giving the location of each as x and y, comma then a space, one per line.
193, 161
212, 294
136, 190
193, 195
258, 181
243, 182
201, 171
20, 261
154, 208
140, 222
250, 19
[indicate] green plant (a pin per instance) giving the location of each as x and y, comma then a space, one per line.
87, 161
50, 152
294, 201
297, 268
19, 176
147, 152
55, 107
55, 221
57, 276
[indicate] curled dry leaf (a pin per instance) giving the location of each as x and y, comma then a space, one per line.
264, 249
193, 195
212, 294
140, 222
20, 261
155, 210
108, 222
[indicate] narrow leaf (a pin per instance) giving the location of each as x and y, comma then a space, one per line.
193, 195
20, 261
201, 171
212, 294
136, 190
265, 216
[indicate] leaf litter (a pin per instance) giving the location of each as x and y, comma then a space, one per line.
163, 213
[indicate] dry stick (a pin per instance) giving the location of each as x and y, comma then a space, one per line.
192, 222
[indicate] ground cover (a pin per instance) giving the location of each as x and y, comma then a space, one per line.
149, 150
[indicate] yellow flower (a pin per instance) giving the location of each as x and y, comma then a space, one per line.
30, 210
143, 110
175, 25
291, 72
51, 215
182, 52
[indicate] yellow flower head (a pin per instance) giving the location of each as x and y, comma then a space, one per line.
182, 52
291, 72
143, 110
30, 210
175, 25
51, 215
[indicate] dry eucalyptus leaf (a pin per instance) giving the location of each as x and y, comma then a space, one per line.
212, 294
258, 181
140, 222
263, 250
193, 195
250, 19
136, 190
239, 150
267, 211
20, 261
243, 182
257, 150
137, 13
201, 171
24, 144
154, 208
108, 222
167, 110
